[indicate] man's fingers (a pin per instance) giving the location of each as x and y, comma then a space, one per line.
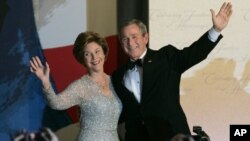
229, 9
222, 9
212, 12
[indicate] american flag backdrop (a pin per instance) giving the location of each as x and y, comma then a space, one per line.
30, 28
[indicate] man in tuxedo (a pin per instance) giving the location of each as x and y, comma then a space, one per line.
148, 85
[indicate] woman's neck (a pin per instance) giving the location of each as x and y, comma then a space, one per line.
97, 75
101, 80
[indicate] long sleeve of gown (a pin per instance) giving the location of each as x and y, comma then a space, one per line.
71, 96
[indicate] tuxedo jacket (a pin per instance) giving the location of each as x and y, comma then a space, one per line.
159, 116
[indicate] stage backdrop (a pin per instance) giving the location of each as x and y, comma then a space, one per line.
216, 92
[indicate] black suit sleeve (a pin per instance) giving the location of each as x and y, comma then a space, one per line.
182, 60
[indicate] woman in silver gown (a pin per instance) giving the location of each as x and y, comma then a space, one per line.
93, 92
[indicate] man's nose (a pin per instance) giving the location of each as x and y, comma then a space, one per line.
130, 42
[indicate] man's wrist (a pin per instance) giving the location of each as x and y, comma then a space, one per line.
213, 34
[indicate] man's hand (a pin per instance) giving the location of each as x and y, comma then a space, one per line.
221, 19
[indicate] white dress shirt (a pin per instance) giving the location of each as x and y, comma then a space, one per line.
133, 79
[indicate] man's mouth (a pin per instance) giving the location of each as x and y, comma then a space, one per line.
133, 48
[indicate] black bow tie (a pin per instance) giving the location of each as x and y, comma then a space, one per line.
132, 64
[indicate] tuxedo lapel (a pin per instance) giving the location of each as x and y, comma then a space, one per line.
147, 75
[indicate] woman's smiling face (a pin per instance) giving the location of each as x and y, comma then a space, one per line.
94, 57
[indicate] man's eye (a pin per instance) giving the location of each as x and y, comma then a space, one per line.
124, 39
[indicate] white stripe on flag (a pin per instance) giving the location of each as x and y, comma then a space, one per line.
59, 22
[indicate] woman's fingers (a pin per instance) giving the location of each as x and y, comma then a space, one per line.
33, 65
36, 64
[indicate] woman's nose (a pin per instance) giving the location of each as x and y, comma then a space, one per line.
93, 56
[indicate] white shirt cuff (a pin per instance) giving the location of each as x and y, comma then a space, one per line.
213, 35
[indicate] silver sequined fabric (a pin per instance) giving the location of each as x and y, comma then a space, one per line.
99, 113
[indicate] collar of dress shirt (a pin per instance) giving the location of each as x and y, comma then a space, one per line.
143, 55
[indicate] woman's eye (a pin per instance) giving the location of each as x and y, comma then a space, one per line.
98, 51
86, 54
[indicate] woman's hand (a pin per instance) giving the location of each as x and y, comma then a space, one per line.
41, 71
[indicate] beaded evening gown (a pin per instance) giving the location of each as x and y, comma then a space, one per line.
99, 113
